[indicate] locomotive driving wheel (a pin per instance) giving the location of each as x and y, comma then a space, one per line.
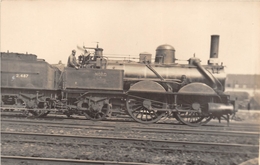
192, 110
94, 110
144, 110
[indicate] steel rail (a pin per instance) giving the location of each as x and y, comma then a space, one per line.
233, 126
214, 123
74, 161
126, 146
134, 128
62, 116
128, 139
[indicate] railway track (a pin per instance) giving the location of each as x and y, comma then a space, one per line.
213, 123
103, 144
60, 139
55, 161
151, 129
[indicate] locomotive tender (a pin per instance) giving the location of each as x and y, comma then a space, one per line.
147, 91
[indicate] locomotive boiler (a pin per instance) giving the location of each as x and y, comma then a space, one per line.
146, 90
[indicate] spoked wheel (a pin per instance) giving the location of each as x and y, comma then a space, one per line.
191, 110
94, 110
144, 110
41, 112
41, 108
97, 115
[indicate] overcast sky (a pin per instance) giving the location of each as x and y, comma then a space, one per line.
51, 29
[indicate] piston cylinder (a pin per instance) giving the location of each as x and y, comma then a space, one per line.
217, 108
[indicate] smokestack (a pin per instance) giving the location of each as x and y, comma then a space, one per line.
214, 44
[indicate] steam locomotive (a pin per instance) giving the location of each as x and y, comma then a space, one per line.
147, 91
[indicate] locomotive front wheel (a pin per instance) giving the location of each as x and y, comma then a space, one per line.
144, 111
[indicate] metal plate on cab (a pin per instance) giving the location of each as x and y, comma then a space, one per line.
86, 78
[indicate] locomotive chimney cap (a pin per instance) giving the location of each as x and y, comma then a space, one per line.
165, 46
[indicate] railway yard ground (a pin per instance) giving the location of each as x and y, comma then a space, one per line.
60, 140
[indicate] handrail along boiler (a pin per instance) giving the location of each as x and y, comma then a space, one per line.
148, 91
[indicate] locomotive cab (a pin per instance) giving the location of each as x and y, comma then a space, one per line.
92, 59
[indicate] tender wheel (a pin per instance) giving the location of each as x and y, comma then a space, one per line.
40, 113
94, 110
191, 110
144, 111
97, 115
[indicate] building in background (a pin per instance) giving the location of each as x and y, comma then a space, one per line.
245, 88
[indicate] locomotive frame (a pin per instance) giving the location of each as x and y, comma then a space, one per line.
192, 93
